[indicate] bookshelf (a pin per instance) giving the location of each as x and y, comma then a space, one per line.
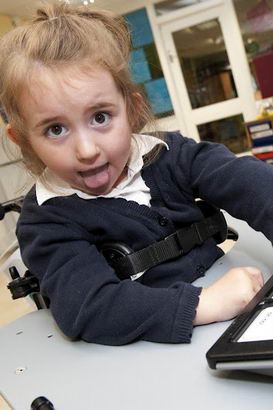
260, 136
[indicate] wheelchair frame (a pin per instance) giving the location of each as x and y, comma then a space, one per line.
27, 285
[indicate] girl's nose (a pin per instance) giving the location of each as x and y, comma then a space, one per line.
86, 149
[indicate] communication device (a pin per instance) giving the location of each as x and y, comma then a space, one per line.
247, 344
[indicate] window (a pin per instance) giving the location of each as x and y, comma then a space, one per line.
228, 131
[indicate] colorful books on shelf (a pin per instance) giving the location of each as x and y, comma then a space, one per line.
261, 136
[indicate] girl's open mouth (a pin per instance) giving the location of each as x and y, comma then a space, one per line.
96, 177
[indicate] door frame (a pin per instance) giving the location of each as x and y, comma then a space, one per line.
187, 118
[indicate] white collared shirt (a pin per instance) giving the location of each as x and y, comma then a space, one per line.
133, 188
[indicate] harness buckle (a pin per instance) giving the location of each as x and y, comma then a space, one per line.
189, 237
202, 232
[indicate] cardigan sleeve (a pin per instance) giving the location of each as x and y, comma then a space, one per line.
87, 299
243, 186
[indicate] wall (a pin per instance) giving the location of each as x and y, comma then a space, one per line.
5, 24
11, 176
11, 179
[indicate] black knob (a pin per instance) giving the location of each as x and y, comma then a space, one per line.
14, 272
41, 403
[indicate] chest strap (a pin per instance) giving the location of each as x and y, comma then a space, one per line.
131, 265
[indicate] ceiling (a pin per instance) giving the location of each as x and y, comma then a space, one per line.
20, 8
24, 8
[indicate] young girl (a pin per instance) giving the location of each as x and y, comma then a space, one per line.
77, 117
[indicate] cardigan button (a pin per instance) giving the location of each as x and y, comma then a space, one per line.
163, 221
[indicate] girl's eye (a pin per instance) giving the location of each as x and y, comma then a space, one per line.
100, 118
56, 130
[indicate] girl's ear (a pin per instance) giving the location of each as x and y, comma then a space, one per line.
12, 134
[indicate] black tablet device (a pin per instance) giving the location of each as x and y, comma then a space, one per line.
247, 344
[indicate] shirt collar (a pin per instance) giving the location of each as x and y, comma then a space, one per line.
55, 187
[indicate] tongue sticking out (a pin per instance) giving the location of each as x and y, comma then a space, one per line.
96, 177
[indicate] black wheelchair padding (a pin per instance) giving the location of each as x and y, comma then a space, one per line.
128, 263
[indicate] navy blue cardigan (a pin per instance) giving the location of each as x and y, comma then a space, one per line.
59, 240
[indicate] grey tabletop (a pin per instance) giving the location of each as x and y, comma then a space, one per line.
37, 359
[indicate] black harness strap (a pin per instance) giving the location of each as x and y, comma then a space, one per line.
127, 263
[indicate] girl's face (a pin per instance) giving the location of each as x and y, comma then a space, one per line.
77, 125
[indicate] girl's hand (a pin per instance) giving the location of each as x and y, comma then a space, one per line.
228, 296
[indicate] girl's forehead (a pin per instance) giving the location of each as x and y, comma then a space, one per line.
64, 73
65, 88
62, 77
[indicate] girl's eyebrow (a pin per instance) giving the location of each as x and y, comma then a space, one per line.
46, 121
102, 104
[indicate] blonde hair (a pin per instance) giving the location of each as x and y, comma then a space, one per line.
62, 35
